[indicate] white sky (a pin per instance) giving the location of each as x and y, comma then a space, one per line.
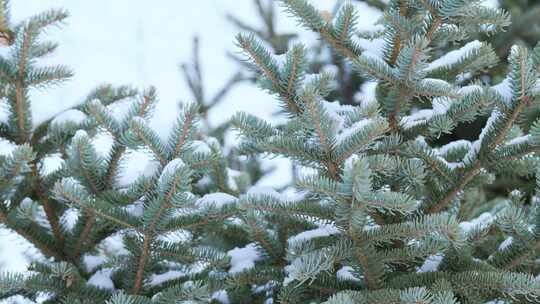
131, 42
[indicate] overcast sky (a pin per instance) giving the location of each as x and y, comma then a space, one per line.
133, 42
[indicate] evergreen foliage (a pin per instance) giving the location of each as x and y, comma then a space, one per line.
399, 205
162, 226
383, 212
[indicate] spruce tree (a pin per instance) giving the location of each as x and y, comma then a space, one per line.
523, 29
394, 217
383, 212
162, 232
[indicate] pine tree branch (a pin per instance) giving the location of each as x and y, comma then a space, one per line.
24, 52
344, 155
266, 14
246, 45
114, 163
97, 116
428, 7
477, 166
142, 263
87, 175
260, 238
434, 26
338, 45
43, 197
20, 101
40, 245
186, 124
396, 49
380, 4
372, 283
292, 76
393, 122
96, 212
20, 87
207, 220
146, 105
149, 233
14, 172
4, 15
305, 12
463, 181
347, 24
286, 212
520, 258
360, 245
522, 101
432, 164
162, 160
90, 221
315, 116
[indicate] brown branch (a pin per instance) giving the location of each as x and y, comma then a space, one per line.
146, 104
332, 167
392, 119
24, 52
20, 100
434, 26
182, 139
364, 261
91, 219
19, 83
257, 236
51, 215
84, 235
359, 244
100, 120
142, 262
346, 28
395, 50
455, 190
431, 163
97, 212
428, 7
524, 100
287, 213
292, 74
148, 235
395, 53
114, 164
338, 45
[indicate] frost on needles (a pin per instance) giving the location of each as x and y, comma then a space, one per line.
381, 212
